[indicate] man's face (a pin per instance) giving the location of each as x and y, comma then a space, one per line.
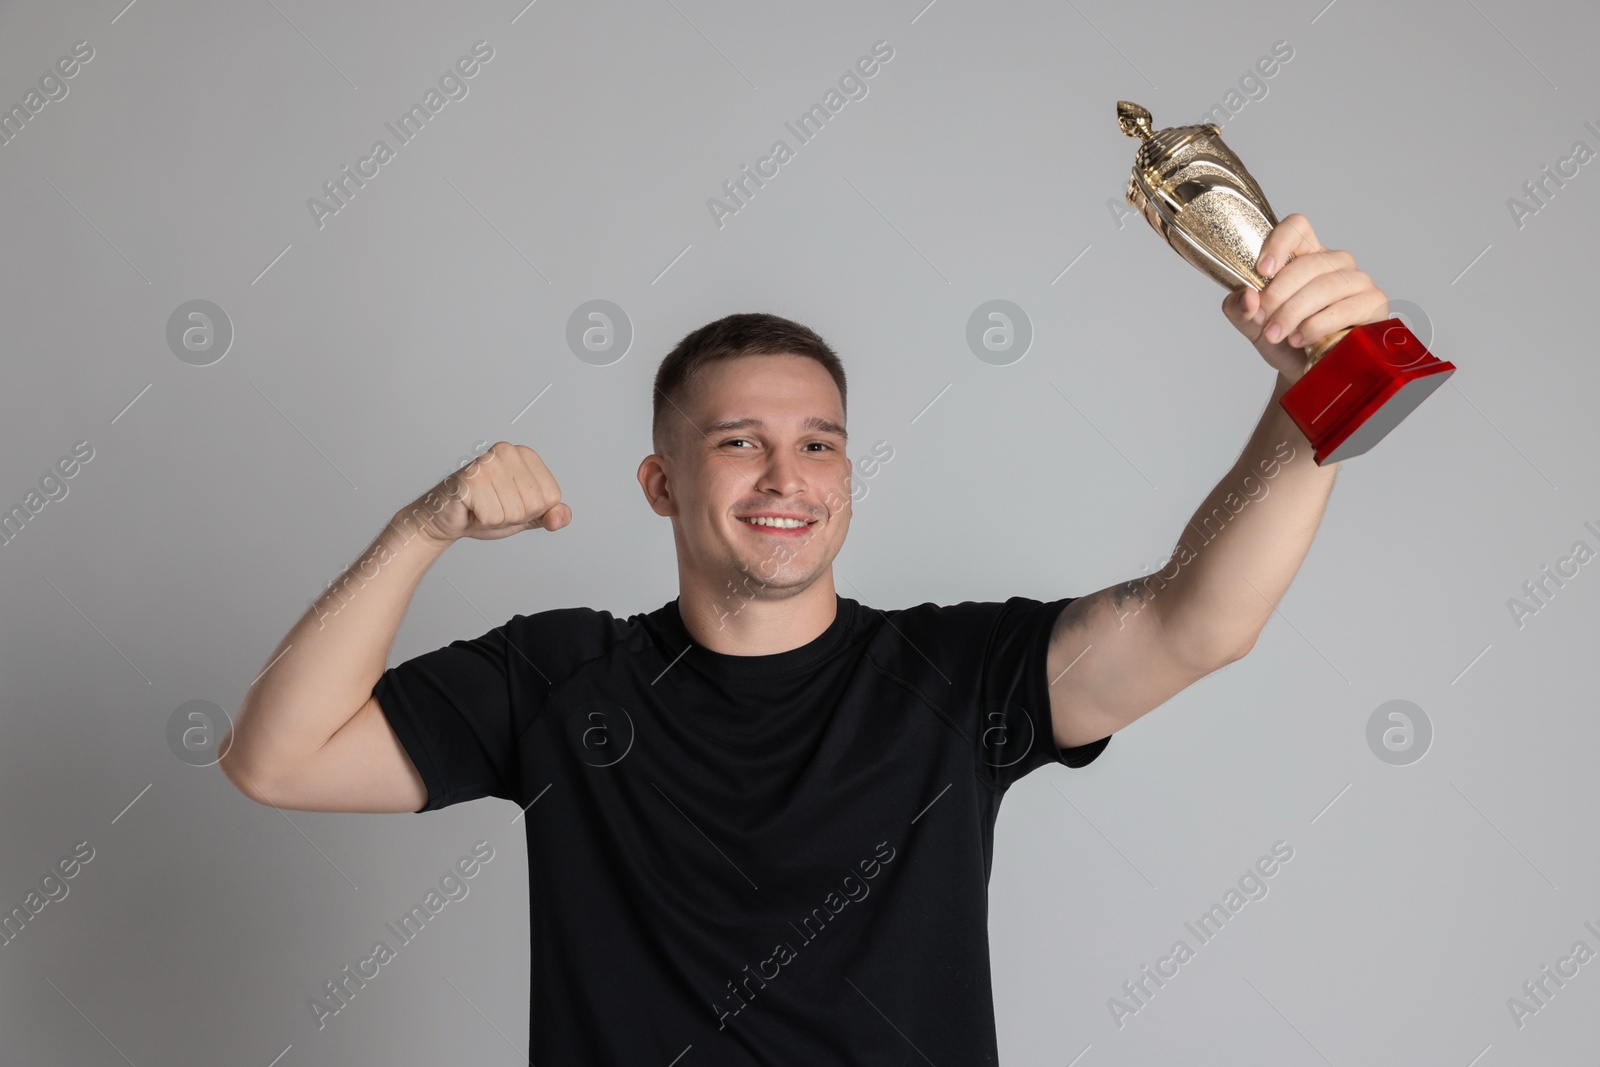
764, 438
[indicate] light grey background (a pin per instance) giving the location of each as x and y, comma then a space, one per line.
984, 160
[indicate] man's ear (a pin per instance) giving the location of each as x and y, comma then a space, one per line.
653, 480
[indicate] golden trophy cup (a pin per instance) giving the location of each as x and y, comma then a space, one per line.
1362, 381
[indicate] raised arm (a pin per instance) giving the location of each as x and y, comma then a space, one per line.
1120, 652
309, 734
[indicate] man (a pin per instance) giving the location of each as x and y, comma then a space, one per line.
759, 818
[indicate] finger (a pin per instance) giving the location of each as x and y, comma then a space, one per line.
549, 491
477, 497
478, 467
498, 501
522, 471
1299, 273
1322, 291
1291, 237
542, 494
1353, 310
500, 467
471, 488
520, 490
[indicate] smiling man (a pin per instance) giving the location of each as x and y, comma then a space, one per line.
760, 818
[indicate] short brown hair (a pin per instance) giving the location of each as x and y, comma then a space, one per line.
742, 334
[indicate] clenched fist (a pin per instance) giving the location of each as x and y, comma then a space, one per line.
506, 490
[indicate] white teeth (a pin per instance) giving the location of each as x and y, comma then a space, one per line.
782, 524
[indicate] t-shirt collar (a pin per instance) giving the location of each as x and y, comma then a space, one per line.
751, 667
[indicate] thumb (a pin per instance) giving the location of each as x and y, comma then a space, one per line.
557, 517
1240, 310
1234, 306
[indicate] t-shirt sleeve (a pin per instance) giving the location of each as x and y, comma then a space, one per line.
1013, 733
460, 711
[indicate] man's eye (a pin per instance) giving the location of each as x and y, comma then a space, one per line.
823, 444
736, 440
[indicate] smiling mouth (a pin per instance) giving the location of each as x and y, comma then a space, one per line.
771, 524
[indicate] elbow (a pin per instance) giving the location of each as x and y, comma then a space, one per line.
1215, 655
1200, 644
240, 772
1242, 650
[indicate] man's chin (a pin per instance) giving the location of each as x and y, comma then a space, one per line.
757, 578
771, 583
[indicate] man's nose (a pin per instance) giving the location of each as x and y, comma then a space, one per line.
781, 475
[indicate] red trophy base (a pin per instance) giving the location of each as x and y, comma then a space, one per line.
1362, 388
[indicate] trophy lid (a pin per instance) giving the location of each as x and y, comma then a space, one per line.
1159, 145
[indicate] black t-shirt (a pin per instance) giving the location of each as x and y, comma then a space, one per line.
747, 860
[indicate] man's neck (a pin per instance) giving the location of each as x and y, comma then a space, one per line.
754, 626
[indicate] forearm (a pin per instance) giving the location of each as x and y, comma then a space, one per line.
1241, 549
324, 669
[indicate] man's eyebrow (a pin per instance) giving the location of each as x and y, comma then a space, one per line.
813, 422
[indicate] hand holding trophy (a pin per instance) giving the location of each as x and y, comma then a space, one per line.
1315, 292
1361, 381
